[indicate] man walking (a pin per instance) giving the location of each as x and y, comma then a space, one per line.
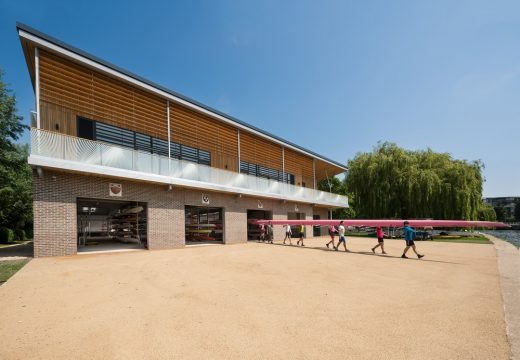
269, 233
302, 234
288, 234
341, 231
408, 237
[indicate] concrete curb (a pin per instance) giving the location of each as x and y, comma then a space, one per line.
508, 258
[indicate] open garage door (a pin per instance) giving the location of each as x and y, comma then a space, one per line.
253, 232
108, 225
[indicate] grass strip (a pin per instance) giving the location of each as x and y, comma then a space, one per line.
9, 267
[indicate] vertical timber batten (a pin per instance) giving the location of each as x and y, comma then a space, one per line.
283, 161
169, 135
37, 85
238, 146
168, 120
314, 172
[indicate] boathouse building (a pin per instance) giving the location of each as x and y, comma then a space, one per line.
121, 162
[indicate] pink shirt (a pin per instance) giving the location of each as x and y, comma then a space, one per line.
379, 233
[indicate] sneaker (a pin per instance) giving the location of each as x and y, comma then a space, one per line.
373, 250
404, 256
420, 256
335, 248
383, 253
327, 245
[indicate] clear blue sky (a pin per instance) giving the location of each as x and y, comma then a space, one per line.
333, 76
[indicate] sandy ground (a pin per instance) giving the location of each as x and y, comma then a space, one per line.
258, 301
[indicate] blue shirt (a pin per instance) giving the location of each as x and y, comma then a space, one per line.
408, 233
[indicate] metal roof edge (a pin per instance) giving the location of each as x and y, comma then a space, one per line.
57, 42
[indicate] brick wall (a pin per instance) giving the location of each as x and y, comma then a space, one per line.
55, 219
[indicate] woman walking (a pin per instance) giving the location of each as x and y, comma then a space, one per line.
380, 240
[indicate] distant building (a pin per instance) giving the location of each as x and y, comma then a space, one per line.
508, 203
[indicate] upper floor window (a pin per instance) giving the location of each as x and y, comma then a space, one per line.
98, 131
265, 172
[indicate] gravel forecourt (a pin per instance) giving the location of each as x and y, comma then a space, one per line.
258, 301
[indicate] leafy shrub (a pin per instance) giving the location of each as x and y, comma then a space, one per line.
6, 236
19, 235
29, 233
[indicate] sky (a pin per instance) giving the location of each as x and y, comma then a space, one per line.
335, 77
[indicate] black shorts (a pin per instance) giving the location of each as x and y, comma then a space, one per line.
380, 240
301, 235
410, 243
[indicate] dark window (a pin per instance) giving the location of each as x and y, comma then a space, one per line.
160, 146
143, 143
85, 128
265, 172
204, 157
95, 130
189, 153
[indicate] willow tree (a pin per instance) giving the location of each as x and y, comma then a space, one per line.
391, 182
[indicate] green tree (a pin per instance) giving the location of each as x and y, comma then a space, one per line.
15, 173
391, 182
486, 213
336, 186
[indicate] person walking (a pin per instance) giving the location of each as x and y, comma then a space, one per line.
302, 233
288, 234
380, 240
342, 239
269, 233
332, 232
262, 233
408, 237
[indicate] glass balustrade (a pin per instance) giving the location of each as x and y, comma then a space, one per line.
53, 145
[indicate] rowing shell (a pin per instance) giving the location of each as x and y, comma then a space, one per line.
386, 223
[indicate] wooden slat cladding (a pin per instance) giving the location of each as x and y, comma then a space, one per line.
324, 170
300, 166
99, 97
198, 130
256, 150
58, 118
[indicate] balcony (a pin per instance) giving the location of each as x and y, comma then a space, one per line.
55, 150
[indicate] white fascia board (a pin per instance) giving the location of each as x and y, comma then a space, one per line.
46, 162
117, 74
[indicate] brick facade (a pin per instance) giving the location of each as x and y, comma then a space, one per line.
55, 210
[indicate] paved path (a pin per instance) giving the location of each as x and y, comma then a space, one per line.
258, 301
16, 252
509, 268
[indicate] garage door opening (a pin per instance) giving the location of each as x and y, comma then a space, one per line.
107, 225
253, 231
204, 225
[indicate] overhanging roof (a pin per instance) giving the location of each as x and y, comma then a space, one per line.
28, 33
